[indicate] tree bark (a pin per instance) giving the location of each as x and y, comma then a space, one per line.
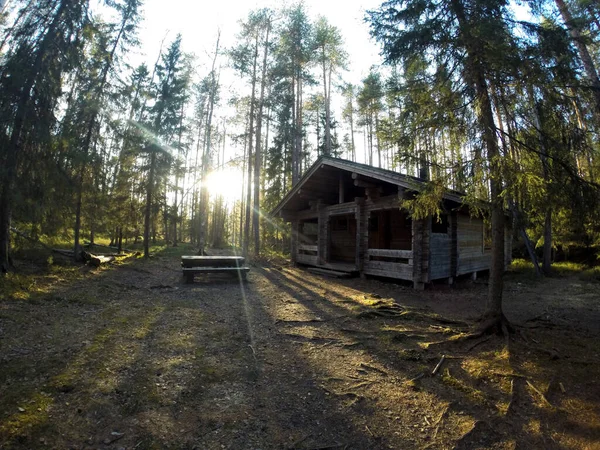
204, 197
13, 148
493, 316
327, 107
584, 54
148, 210
246, 243
258, 154
99, 92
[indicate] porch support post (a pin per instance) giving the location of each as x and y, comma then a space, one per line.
421, 230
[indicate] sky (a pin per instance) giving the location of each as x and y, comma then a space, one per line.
199, 22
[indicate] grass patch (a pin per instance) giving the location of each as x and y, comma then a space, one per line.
28, 416
524, 269
166, 250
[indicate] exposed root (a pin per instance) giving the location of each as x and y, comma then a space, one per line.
537, 391
395, 311
493, 325
372, 368
478, 343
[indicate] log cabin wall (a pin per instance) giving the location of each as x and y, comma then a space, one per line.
388, 244
361, 233
323, 240
337, 243
375, 236
472, 254
294, 241
342, 238
453, 245
421, 244
307, 247
440, 252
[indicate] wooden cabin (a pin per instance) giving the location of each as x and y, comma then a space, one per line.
346, 217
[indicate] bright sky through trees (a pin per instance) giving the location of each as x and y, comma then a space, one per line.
199, 22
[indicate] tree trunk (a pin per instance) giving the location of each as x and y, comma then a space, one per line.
204, 197
246, 243
175, 206
120, 241
147, 214
493, 316
584, 54
258, 154
327, 108
547, 252
297, 151
13, 148
99, 92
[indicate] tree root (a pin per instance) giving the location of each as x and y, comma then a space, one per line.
396, 311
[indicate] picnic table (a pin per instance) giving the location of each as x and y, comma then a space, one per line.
193, 265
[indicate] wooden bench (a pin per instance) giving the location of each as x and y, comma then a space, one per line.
193, 265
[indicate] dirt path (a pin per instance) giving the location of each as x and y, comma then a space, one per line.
133, 358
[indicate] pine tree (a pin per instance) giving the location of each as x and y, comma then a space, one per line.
470, 33
45, 45
164, 121
331, 56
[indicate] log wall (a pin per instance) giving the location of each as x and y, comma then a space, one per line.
421, 243
389, 263
472, 257
433, 255
307, 254
440, 254
342, 242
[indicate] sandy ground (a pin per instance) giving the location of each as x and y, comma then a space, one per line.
132, 357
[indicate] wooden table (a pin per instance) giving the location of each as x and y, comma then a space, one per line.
193, 265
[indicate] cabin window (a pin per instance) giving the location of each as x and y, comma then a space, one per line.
440, 225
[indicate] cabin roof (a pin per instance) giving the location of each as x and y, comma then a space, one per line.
322, 178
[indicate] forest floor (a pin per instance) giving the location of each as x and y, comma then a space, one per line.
130, 357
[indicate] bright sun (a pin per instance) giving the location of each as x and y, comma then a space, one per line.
227, 183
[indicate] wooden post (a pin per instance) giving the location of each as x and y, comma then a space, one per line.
417, 246
341, 188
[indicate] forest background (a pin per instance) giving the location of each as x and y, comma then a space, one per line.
102, 134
